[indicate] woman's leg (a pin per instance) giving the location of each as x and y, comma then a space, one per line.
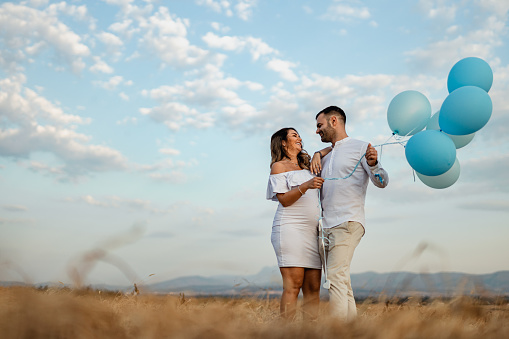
293, 278
311, 293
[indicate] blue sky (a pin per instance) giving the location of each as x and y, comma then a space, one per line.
142, 128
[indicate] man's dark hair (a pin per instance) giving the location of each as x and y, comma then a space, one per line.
333, 110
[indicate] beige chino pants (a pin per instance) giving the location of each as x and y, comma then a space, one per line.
340, 243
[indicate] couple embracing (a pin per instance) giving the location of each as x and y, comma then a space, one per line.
302, 246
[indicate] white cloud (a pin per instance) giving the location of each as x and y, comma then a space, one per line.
346, 12
165, 35
47, 170
77, 12
112, 83
123, 96
220, 6
175, 115
124, 28
168, 170
244, 8
259, 48
439, 9
38, 3
217, 6
38, 125
237, 115
119, 2
22, 27
441, 55
496, 7
256, 46
254, 86
225, 42
100, 66
109, 39
197, 103
220, 27
169, 151
284, 68
21, 105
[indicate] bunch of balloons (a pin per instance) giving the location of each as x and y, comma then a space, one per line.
467, 108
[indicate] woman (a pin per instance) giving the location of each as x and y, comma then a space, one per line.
295, 226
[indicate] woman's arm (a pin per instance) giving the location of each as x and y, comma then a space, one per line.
290, 197
316, 161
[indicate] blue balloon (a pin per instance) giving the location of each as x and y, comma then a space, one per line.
459, 140
443, 180
430, 152
408, 113
470, 72
465, 111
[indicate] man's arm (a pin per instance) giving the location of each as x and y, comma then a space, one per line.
316, 161
372, 166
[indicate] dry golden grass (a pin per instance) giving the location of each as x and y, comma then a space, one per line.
64, 313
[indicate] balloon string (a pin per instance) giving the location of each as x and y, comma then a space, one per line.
402, 143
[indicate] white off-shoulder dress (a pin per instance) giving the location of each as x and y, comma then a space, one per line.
295, 228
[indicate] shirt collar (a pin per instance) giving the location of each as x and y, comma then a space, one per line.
340, 142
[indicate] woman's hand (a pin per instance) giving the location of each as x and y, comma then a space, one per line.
288, 198
314, 183
316, 163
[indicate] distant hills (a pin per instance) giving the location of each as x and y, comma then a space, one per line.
268, 282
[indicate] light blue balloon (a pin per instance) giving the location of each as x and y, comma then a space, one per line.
443, 180
408, 113
459, 140
430, 152
470, 72
465, 111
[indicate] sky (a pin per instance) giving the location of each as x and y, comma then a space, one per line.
134, 135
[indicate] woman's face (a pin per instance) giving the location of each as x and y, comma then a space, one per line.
293, 142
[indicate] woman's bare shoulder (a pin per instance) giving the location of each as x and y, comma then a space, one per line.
278, 167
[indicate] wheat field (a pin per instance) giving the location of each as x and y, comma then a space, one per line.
65, 313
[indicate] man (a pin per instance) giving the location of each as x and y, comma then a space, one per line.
352, 162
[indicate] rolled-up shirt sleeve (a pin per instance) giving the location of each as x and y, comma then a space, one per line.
377, 174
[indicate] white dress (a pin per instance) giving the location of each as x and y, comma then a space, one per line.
295, 228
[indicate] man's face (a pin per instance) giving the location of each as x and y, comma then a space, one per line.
324, 129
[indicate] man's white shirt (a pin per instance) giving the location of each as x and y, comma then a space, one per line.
343, 199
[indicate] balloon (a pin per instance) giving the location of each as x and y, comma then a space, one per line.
465, 111
443, 180
408, 113
459, 140
470, 72
430, 152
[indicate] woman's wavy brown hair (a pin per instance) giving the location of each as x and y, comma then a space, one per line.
278, 153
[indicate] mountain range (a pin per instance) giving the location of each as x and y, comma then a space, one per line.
268, 282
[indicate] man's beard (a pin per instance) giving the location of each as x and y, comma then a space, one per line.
327, 134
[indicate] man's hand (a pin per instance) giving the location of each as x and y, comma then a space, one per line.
316, 163
371, 155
